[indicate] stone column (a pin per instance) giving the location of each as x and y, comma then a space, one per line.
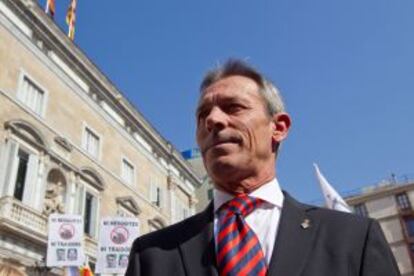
172, 186
192, 202
41, 182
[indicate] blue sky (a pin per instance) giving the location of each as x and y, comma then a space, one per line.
344, 68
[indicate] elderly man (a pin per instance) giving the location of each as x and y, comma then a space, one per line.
251, 227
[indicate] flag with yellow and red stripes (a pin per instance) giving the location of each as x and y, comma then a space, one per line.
71, 18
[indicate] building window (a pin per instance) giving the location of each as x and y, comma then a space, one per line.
403, 202
23, 160
156, 195
127, 171
19, 166
409, 226
361, 210
183, 211
90, 214
31, 95
91, 142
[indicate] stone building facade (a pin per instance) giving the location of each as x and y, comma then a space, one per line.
204, 193
71, 143
391, 205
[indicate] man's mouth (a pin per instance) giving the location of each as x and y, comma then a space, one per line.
220, 142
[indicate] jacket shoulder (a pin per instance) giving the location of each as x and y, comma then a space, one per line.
172, 235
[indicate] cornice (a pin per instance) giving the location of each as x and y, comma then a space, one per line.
379, 192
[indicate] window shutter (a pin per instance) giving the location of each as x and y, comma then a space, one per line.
80, 200
94, 219
160, 197
153, 193
7, 168
31, 180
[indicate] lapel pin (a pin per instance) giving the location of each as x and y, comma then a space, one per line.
305, 224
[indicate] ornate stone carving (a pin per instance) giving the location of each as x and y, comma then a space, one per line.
55, 192
171, 184
64, 143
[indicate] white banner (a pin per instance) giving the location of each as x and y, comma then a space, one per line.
65, 240
115, 241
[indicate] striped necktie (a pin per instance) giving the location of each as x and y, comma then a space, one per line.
238, 248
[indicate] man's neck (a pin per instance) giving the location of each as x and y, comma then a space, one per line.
246, 185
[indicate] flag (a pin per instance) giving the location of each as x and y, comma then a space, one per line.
333, 199
86, 271
50, 8
71, 18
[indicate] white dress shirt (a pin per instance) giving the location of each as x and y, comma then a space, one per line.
264, 220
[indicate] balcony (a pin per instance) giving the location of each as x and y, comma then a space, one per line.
22, 219
91, 247
25, 221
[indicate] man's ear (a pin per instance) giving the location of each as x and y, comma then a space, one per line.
281, 124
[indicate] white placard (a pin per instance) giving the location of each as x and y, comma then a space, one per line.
65, 240
115, 241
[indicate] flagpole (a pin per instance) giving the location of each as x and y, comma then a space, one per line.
70, 30
47, 7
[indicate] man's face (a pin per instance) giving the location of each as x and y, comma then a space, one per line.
234, 131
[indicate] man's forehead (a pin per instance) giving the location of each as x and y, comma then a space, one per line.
230, 87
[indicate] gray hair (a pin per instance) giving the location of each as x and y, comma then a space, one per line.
237, 67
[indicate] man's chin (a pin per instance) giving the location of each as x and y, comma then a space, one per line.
223, 166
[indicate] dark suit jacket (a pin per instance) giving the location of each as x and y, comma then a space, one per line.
334, 244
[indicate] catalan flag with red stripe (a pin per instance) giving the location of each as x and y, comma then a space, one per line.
86, 271
71, 18
51, 8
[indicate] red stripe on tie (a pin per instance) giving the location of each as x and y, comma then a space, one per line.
236, 258
237, 205
223, 233
251, 263
232, 243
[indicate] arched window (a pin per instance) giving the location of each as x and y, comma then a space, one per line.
19, 166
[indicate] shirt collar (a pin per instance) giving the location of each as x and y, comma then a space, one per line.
269, 192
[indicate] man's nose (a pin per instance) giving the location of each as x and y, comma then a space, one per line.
216, 119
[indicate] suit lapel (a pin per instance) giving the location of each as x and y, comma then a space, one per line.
294, 239
198, 251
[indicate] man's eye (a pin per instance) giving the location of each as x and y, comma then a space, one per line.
202, 115
233, 108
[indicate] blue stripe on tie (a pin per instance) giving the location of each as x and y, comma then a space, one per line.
233, 251
225, 221
259, 266
226, 239
244, 204
246, 259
